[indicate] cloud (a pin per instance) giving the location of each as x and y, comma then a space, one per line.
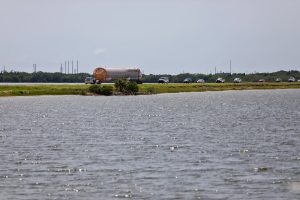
99, 51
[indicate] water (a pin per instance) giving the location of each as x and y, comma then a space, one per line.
212, 145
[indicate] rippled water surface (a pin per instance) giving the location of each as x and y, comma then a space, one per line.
212, 145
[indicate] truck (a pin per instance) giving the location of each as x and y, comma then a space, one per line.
220, 80
111, 74
237, 80
163, 80
89, 80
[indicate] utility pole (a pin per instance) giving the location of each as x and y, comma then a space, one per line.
34, 68
77, 66
215, 70
68, 67
65, 67
72, 68
230, 67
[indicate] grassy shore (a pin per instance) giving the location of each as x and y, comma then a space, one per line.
198, 87
31, 90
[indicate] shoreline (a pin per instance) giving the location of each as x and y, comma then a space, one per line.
144, 89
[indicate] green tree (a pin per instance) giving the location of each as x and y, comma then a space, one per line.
120, 85
96, 89
131, 88
106, 90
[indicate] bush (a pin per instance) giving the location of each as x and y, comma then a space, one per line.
95, 89
131, 88
106, 90
120, 85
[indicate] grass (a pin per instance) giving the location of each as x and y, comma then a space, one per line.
31, 90
198, 87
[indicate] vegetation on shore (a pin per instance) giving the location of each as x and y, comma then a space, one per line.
41, 77
211, 78
126, 87
121, 87
106, 90
31, 90
200, 87
46, 77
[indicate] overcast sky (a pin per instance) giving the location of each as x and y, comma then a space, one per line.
158, 36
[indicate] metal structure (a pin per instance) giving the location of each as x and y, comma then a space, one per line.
111, 74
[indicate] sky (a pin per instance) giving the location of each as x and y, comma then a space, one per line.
157, 36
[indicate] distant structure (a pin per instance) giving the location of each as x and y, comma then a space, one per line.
222, 72
77, 66
70, 67
34, 68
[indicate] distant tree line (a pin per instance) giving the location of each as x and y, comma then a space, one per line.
41, 77
47, 77
211, 78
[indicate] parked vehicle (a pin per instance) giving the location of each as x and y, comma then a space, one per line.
187, 80
278, 80
299, 80
237, 80
163, 80
200, 81
261, 80
220, 80
291, 79
89, 80
111, 74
